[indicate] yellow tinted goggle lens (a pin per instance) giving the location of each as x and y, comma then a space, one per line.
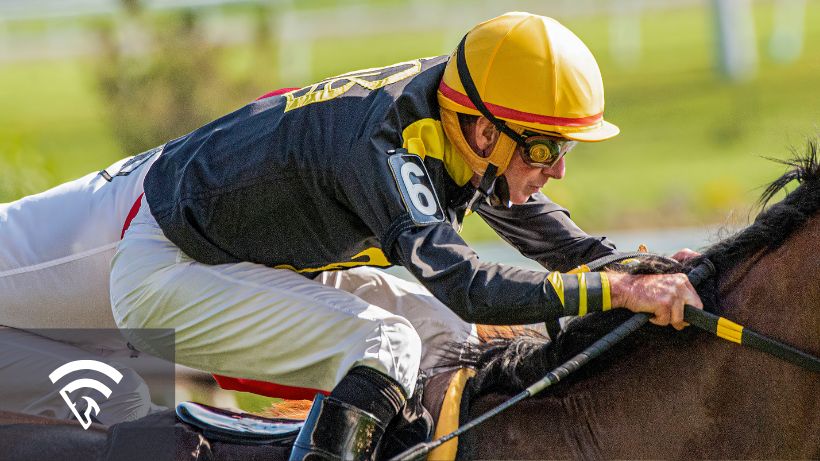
544, 151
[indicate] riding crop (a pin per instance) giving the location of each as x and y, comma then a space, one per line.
731, 331
597, 348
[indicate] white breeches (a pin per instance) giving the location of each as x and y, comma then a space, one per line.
247, 320
56, 249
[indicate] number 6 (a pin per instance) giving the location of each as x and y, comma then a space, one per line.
418, 191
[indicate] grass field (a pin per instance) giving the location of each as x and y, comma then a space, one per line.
689, 153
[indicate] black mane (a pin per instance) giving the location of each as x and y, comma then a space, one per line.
509, 365
774, 225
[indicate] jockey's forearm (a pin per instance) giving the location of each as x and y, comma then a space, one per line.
493, 294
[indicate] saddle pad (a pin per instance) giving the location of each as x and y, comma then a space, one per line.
448, 419
241, 428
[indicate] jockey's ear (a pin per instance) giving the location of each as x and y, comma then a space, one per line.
485, 135
480, 134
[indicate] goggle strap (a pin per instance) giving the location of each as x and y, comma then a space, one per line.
475, 98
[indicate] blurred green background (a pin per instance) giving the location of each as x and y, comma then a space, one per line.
82, 88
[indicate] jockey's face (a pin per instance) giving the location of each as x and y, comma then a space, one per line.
525, 180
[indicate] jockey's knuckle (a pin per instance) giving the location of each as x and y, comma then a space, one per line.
667, 300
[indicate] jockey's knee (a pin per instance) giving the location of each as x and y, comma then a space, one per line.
399, 353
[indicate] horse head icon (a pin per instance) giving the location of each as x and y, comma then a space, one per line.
91, 404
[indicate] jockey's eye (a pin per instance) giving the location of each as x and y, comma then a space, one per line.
544, 151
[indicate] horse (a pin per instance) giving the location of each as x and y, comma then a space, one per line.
661, 394
657, 394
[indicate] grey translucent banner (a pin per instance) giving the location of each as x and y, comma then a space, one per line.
87, 394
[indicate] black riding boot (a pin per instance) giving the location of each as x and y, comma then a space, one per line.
411, 426
336, 431
349, 424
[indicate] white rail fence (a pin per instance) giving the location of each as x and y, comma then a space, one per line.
296, 27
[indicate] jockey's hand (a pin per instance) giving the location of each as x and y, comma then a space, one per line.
662, 295
684, 255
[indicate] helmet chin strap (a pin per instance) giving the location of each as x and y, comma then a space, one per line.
494, 188
501, 193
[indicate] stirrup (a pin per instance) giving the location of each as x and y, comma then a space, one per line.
336, 431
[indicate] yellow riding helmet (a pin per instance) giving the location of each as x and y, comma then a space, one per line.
529, 71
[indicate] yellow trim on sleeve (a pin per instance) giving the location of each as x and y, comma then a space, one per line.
606, 302
582, 294
557, 284
581, 268
448, 417
729, 330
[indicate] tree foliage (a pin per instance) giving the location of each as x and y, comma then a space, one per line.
159, 76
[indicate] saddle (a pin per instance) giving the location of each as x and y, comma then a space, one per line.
442, 398
239, 428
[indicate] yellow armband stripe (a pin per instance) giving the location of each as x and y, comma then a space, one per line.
606, 300
581, 268
582, 293
557, 284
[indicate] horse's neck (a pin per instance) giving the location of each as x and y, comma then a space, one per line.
777, 293
701, 397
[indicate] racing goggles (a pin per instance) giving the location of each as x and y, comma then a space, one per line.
543, 151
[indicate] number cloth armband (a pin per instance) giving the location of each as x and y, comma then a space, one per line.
583, 292
416, 189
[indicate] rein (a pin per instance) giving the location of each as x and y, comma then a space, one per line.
719, 326
731, 331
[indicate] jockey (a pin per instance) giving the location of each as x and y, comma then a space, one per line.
258, 232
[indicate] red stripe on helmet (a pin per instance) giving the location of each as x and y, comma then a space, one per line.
517, 115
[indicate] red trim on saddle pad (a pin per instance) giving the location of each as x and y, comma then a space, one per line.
267, 389
135, 208
276, 93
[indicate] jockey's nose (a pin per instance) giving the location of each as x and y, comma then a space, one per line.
556, 171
